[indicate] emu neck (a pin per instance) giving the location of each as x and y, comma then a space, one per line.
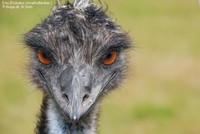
52, 121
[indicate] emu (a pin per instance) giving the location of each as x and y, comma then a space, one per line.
77, 55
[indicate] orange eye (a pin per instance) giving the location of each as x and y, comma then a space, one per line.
43, 58
110, 58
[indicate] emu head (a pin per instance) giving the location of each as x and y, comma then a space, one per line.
77, 55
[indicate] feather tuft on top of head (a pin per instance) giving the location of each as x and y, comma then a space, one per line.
80, 4
77, 4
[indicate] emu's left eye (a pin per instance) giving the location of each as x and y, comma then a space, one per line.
43, 58
110, 58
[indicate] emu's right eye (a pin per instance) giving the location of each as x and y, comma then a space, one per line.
43, 58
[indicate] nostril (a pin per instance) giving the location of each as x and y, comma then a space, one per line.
85, 97
65, 97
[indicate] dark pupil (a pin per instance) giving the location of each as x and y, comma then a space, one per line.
44, 55
109, 56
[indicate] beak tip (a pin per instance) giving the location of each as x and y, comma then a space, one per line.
75, 118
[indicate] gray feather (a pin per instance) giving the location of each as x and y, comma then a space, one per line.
81, 4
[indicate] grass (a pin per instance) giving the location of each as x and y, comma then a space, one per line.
147, 111
162, 92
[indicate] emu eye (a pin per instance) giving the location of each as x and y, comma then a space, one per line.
110, 58
43, 58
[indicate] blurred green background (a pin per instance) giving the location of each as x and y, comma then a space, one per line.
161, 94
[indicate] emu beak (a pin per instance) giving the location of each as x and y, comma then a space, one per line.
77, 93
80, 90
76, 99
